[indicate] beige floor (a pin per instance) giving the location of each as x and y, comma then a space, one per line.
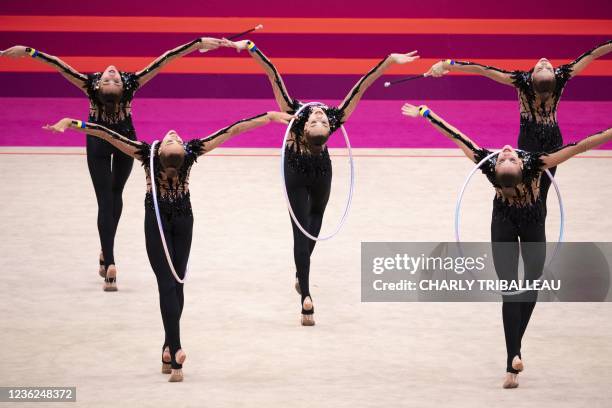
240, 324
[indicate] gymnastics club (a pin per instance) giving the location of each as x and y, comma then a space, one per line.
233, 37
257, 27
388, 84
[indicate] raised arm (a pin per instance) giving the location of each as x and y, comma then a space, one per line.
127, 146
349, 103
445, 66
206, 43
221, 136
585, 59
468, 147
71, 74
569, 151
284, 101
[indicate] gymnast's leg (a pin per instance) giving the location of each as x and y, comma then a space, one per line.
120, 172
169, 301
319, 195
99, 164
182, 234
298, 192
504, 241
533, 251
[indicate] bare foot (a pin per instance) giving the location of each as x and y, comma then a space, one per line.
307, 319
176, 375
102, 269
180, 356
517, 364
511, 381
110, 281
166, 363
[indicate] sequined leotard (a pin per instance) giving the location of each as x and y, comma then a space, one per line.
539, 129
176, 216
108, 167
517, 227
308, 168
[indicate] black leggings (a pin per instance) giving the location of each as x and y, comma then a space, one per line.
108, 181
178, 231
308, 195
517, 309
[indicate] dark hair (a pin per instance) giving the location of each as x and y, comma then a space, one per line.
109, 99
544, 85
171, 163
333, 115
318, 140
509, 180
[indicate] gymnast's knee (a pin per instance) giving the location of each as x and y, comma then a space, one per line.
166, 286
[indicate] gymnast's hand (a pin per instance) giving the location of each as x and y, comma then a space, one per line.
59, 126
410, 110
437, 70
280, 117
209, 43
404, 58
14, 52
237, 45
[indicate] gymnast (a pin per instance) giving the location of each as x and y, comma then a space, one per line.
539, 91
173, 160
110, 96
517, 220
308, 169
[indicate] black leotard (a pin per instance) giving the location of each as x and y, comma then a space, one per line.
539, 130
177, 222
308, 170
108, 167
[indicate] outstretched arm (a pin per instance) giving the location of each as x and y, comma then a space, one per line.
468, 147
284, 101
71, 74
569, 151
219, 137
349, 103
585, 59
127, 146
445, 66
146, 74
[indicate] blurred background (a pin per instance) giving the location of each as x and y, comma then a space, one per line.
321, 48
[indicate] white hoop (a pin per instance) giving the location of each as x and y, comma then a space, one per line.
351, 185
159, 222
462, 192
